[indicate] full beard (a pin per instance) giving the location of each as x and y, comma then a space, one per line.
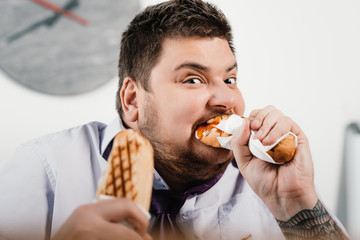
182, 165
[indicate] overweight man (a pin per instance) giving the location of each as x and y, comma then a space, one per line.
177, 69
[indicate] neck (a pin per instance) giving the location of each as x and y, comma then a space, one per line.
180, 177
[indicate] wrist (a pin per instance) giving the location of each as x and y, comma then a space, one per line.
285, 208
315, 223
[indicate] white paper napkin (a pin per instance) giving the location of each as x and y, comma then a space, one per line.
233, 125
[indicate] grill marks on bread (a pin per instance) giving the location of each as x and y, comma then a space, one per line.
130, 169
122, 182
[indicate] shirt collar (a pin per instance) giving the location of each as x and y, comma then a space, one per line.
108, 134
158, 182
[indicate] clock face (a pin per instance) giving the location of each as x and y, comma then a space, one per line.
62, 47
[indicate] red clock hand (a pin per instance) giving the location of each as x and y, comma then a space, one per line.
60, 10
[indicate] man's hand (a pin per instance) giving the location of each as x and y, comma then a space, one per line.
285, 189
101, 220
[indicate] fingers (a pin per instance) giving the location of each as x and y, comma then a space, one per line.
275, 128
119, 210
241, 138
105, 220
257, 117
115, 230
271, 124
239, 144
268, 122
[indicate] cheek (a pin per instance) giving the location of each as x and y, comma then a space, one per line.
182, 112
239, 108
193, 105
184, 103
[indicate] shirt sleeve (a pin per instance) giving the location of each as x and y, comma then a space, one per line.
26, 197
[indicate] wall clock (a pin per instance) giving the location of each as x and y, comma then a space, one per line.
62, 47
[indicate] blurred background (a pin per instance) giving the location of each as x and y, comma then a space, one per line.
301, 56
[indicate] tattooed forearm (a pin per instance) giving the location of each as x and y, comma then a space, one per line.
312, 224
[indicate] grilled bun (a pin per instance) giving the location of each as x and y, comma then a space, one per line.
129, 173
208, 133
284, 151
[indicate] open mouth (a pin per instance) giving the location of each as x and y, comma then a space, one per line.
205, 127
217, 131
203, 123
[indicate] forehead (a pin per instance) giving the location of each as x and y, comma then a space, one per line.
213, 53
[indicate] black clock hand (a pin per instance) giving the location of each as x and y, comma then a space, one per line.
50, 21
60, 10
70, 5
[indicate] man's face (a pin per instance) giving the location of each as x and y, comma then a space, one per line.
193, 81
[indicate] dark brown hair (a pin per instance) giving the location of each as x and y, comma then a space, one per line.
141, 43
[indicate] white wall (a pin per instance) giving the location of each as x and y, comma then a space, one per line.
26, 114
301, 56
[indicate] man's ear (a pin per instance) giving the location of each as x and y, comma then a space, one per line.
129, 94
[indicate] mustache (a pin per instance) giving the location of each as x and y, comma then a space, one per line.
205, 118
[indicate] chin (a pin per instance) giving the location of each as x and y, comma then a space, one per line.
213, 155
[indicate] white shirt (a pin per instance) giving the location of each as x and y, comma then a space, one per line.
52, 175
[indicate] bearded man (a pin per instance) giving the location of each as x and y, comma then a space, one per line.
177, 70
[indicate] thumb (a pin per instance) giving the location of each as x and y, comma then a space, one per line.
239, 144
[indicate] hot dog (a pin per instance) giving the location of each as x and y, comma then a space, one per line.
282, 152
208, 133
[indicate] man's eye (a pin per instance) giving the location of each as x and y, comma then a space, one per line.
230, 80
193, 81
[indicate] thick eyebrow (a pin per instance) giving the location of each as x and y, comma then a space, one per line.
201, 67
192, 65
232, 67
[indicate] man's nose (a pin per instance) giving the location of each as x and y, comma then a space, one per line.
222, 97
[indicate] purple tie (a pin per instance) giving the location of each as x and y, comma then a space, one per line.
166, 204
